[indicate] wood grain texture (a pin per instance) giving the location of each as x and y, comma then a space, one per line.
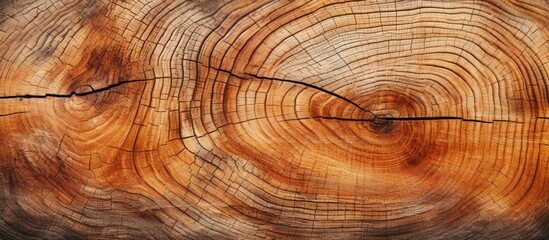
281, 119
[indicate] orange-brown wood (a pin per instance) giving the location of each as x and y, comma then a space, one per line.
274, 119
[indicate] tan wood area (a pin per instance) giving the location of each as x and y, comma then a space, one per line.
317, 119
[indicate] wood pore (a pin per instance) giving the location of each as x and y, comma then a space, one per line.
256, 119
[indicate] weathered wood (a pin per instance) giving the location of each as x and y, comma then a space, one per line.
274, 119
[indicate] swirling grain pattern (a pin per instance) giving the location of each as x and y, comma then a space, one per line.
328, 119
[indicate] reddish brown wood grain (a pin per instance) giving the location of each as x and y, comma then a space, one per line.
274, 119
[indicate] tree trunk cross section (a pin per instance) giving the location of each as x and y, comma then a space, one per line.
274, 119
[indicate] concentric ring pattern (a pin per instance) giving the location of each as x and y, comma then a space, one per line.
274, 119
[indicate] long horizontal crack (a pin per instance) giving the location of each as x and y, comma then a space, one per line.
296, 82
314, 87
75, 93
374, 116
438, 118
13, 113
434, 119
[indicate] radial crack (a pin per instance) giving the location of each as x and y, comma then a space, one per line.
13, 113
314, 87
436, 118
296, 82
374, 116
75, 93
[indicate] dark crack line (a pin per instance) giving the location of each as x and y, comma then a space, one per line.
298, 83
93, 91
434, 119
332, 118
381, 119
440, 118
375, 117
314, 87
13, 113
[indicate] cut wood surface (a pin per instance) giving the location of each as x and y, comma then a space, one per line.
250, 119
